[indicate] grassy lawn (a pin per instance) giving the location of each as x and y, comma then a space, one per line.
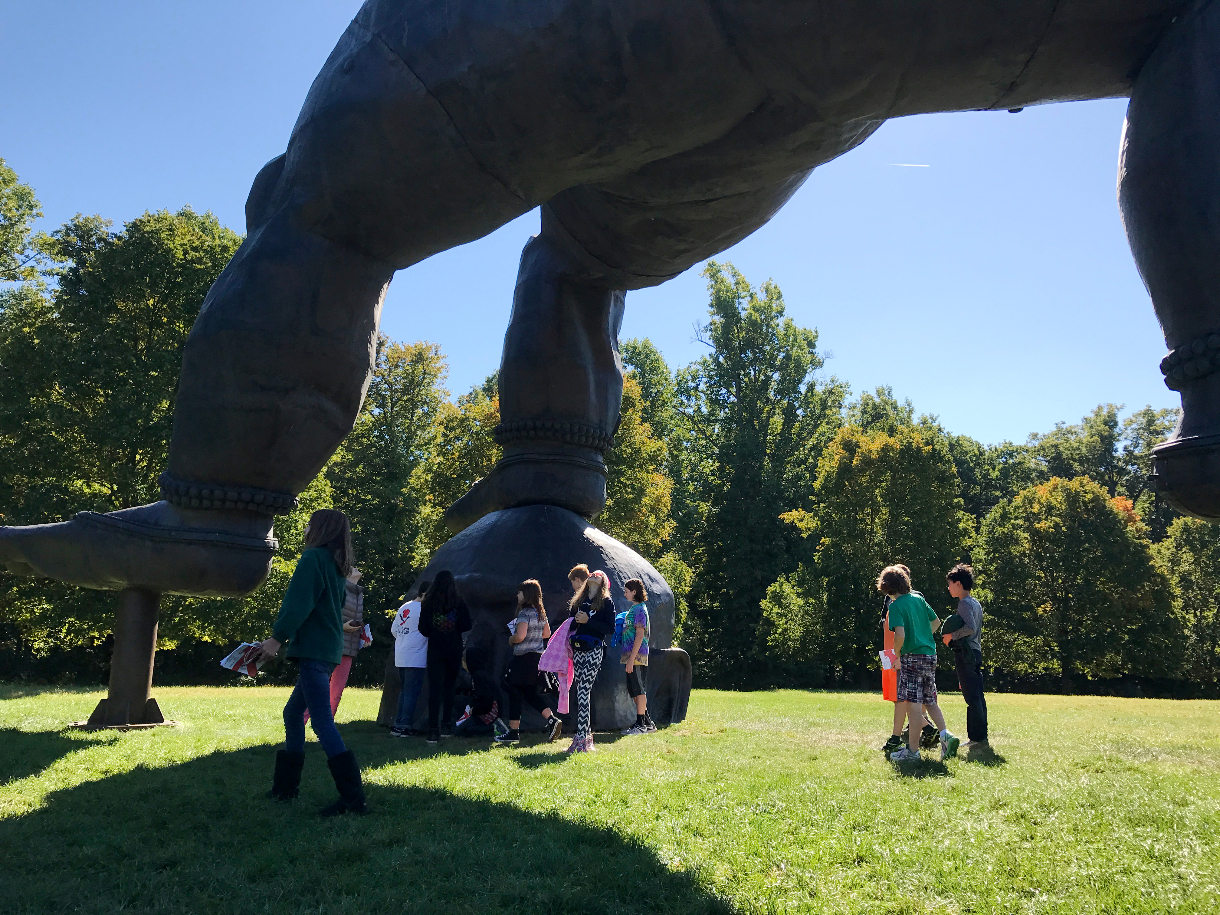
759, 802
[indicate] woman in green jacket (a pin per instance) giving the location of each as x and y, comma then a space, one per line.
310, 622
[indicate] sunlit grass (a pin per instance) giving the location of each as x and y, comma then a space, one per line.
762, 802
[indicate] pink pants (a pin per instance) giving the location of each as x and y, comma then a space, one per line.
338, 680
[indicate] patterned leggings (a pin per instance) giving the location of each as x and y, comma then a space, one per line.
586, 664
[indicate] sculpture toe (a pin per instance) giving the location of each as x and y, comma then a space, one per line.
154, 547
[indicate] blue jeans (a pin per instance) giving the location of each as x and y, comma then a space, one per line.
411, 681
312, 692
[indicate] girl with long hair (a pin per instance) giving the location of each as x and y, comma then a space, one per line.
528, 639
632, 630
592, 613
443, 618
310, 622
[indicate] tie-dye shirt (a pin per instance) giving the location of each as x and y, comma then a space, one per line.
633, 619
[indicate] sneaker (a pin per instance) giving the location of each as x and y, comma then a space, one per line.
509, 738
929, 737
434, 735
649, 725
400, 732
589, 748
576, 746
892, 744
904, 754
633, 730
554, 727
948, 746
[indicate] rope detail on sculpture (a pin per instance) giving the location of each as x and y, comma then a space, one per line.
554, 430
1192, 360
186, 494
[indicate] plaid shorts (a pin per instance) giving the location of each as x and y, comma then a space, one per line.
917, 679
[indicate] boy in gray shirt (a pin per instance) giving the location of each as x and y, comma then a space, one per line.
967, 645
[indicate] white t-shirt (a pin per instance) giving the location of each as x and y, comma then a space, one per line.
410, 648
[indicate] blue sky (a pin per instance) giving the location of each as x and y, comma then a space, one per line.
994, 287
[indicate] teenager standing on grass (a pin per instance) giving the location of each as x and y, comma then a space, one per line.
967, 645
592, 613
528, 640
910, 619
353, 628
411, 660
443, 619
633, 634
310, 622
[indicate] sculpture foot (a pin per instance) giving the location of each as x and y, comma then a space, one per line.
158, 548
575, 483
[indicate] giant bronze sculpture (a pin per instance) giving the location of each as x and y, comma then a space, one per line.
653, 135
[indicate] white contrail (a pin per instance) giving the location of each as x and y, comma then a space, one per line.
908, 165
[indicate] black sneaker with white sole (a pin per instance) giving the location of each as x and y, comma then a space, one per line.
509, 738
554, 727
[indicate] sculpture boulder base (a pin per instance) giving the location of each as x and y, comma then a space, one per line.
493, 556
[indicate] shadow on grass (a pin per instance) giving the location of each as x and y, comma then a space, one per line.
984, 756
25, 753
199, 837
923, 768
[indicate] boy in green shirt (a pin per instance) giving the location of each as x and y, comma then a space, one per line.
911, 621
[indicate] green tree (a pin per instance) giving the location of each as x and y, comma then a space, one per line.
1114, 452
19, 207
465, 451
759, 419
376, 475
638, 488
1070, 587
1190, 556
882, 499
88, 376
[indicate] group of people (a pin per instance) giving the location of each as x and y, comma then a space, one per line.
427, 637
320, 621
914, 625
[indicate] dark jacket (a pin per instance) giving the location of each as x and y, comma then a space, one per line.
593, 634
310, 621
444, 630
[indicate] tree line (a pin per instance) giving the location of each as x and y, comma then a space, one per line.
765, 492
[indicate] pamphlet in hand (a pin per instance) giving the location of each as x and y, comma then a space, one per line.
244, 659
889, 658
366, 636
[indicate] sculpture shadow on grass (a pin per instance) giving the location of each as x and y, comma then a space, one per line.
199, 837
24, 753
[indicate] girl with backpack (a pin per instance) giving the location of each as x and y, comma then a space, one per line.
528, 640
592, 613
310, 622
443, 618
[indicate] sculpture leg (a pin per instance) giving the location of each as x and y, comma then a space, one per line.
1169, 190
561, 384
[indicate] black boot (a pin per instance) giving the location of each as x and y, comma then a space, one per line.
287, 782
346, 772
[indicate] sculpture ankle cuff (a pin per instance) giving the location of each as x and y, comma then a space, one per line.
1192, 360
185, 494
568, 433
